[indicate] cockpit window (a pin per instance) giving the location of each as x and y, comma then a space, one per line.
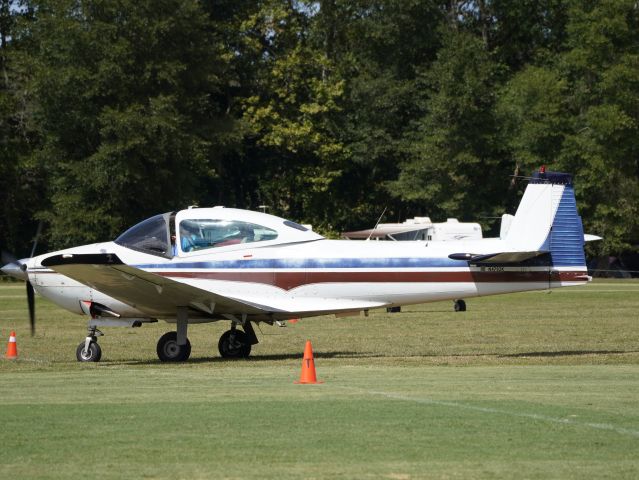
150, 236
201, 234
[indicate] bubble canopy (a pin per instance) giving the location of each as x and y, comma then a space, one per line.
202, 230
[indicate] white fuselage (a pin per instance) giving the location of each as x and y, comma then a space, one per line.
309, 276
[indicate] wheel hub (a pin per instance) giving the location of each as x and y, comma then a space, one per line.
171, 349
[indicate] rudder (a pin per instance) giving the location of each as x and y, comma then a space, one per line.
547, 220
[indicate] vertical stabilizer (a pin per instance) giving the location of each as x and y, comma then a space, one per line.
547, 220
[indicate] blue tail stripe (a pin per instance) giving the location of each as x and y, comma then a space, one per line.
567, 235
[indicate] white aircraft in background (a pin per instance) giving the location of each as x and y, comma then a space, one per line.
210, 264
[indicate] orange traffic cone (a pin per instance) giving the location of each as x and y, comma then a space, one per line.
12, 347
308, 366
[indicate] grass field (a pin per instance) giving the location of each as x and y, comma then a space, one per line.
532, 385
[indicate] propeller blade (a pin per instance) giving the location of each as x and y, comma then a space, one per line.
31, 303
36, 238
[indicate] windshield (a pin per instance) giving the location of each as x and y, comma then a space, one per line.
150, 236
201, 234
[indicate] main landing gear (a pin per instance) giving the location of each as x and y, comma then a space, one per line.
235, 343
175, 346
169, 351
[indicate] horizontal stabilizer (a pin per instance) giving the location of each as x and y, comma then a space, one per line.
496, 258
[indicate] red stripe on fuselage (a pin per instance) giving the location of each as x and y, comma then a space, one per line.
290, 280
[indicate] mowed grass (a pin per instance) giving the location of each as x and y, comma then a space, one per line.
531, 385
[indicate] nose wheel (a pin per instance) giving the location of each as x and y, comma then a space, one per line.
90, 353
89, 350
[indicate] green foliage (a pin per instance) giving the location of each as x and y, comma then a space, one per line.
129, 100
21, 181
602, 66
453, 144
531, 109
326, 111
579, 111
378, 49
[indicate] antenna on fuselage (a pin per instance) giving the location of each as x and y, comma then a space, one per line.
375, 228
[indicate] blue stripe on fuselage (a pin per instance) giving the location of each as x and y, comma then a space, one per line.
311, 263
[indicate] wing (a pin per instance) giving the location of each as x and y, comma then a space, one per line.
158, 296
150, 293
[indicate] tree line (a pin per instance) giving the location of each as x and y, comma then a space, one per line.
324, 111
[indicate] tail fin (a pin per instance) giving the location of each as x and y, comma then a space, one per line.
547, 220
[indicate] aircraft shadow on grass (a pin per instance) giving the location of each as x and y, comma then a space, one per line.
260, 358
345, 355
565, 353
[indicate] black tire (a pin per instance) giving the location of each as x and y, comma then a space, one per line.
169, 351
240, 349
460, 306
93, 354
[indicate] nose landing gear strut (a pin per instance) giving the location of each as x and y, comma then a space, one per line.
89, 350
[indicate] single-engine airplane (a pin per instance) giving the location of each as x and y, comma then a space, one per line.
210, 264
